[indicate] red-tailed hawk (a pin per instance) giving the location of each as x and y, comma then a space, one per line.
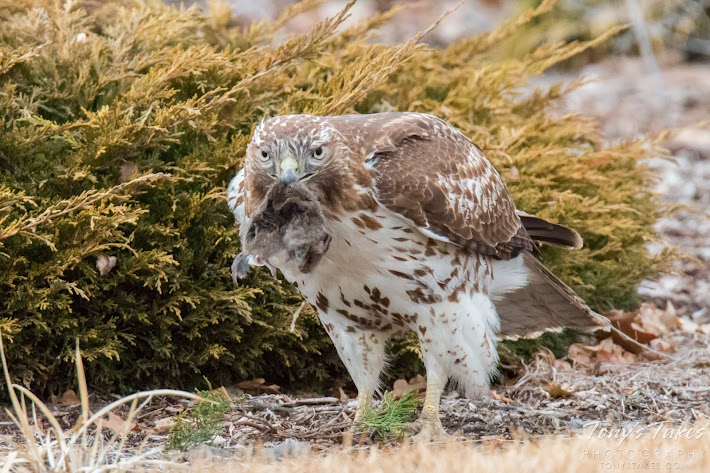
396, 222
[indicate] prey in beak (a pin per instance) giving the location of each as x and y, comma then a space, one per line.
289, 222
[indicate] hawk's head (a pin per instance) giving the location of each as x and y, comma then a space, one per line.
295, 172
293, 148
301, 149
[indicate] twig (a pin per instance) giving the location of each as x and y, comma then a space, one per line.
313, 401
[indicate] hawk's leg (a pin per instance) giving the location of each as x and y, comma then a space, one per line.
428, 427
459, 344
363, 353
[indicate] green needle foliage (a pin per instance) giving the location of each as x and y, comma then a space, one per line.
122, 122
387, 420
201, 423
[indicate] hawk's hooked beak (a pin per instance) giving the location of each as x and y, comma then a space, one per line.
289, 166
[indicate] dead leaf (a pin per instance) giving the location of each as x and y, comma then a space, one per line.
644, 325
223, 391
626, 322
688, 326
258, 386
418, 380
105, 264
563, 365
658, 321
662, 346
557, 390
129, 171
610, 352
162, 426
606, 352
580, 354
69, 398
118, 425
339, 392
402, 386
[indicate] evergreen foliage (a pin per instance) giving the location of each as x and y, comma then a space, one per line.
200, 423
387, 420
122, 122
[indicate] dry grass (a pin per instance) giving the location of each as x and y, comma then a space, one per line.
84, 447
542, 454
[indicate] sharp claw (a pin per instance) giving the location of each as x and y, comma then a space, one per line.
240, 268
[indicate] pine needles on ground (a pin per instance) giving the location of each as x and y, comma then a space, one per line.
386, 421
201, 423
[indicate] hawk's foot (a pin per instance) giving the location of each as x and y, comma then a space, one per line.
240, 268
424, 430
363, 403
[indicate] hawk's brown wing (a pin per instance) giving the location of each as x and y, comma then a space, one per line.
429, 173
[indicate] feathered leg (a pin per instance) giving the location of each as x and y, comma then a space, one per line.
458, 341
362, 352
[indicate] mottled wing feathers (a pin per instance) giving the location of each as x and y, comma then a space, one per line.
429, 173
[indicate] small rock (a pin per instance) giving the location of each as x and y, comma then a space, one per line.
207, 452
289, 448
575, 423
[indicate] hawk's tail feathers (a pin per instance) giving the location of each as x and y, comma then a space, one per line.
545, 232
544, 304
533, 301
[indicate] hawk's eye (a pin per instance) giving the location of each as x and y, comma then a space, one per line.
264, 156
318, 153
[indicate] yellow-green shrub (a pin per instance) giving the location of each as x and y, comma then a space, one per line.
95, 95
682, 26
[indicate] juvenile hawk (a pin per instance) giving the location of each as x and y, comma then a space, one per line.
408, 227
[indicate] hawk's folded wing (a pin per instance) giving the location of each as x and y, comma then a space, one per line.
432, 175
